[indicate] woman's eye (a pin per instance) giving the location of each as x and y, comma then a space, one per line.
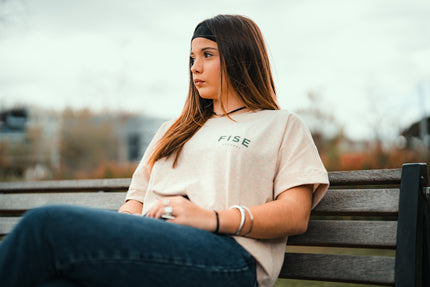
207, 54
192, 60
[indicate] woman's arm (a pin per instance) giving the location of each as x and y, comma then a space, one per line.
287, 215
131, 206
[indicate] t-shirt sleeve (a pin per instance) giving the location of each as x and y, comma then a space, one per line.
140, 179
299, 162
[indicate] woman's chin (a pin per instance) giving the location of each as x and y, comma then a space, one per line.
208, 97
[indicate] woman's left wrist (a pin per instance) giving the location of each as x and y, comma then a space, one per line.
216, 221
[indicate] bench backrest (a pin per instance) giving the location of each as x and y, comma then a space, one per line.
367, 229
355, 220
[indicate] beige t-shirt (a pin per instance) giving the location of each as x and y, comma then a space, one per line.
249, 161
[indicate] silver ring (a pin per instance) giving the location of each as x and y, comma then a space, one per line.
166, 202
168, 210
168, 213
165, 216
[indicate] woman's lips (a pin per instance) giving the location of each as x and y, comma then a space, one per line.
198, 82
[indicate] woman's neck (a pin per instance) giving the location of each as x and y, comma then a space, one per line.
230, 105
230, 112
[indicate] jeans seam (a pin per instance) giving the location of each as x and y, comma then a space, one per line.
154, 260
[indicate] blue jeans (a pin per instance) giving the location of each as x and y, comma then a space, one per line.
75, 246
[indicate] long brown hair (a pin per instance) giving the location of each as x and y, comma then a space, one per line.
244, 61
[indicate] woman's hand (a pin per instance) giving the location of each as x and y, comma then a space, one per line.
132, 207
184, 212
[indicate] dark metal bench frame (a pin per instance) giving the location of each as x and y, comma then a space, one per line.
370, 209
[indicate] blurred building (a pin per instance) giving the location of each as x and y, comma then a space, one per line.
417, 135
138, 133
13, 123
30, 140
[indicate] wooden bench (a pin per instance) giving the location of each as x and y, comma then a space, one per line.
372, 227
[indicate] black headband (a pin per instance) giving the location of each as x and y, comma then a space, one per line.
202, 31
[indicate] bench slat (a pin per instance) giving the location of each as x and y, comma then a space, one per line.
25, 201
336, 202
7, 224
66, 185
348, 233
337, 178
365, 177
359, 202
345, 268
361, 234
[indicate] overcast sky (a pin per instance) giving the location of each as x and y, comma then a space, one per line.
366, 59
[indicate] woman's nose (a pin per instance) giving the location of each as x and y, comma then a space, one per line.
196, 67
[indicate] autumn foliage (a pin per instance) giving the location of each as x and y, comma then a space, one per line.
89, 146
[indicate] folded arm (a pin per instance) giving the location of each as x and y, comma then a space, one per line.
287, 215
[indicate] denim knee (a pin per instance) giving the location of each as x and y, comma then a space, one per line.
41, 215
33, 218
40, 219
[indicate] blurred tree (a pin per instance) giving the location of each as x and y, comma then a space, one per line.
86, 141
111, 170
326, 131
319, 116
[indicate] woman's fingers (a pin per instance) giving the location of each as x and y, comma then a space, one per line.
165, 207
179, 210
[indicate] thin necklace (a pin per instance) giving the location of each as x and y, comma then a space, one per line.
236, 110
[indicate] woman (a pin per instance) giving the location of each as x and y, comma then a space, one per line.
220, 188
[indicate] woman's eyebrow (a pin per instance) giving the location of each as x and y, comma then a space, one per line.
209, 48
205, 49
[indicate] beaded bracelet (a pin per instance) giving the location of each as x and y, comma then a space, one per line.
242, 218
252, 220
